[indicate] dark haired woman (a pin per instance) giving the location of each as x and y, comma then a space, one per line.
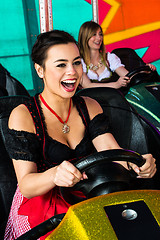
50, 132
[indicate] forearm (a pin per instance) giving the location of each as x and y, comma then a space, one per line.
108, 84
36, 184
104, 142
89, 84
108, 142
121, 71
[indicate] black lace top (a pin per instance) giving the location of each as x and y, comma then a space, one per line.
47, 152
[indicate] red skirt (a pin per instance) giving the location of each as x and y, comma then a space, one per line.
27, 213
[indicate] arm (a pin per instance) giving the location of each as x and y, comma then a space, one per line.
32, 183
121, 82
107, 141
121, 71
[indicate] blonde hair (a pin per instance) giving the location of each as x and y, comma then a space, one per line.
87, 30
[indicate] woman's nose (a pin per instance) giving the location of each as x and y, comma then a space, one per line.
71, 70
98, 36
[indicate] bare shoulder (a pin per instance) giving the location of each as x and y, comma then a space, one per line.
93, 106
20, 119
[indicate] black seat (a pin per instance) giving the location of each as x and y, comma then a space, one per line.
131, 130
131, 60
8, 181
10, 86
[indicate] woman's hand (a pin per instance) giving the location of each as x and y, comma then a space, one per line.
67, 175
122, 82
152, 67
148, 169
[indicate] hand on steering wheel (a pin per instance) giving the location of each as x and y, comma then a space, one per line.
104, 175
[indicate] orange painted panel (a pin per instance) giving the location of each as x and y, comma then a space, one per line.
132, 13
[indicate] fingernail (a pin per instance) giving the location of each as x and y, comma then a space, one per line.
137, 170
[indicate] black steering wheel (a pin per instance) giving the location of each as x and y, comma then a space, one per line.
140, 74
104, 175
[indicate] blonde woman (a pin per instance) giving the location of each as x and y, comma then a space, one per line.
97, 64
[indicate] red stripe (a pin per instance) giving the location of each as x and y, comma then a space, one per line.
32, 118
83, 114
44, 139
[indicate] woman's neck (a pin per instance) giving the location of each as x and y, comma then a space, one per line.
94, 56
59, 104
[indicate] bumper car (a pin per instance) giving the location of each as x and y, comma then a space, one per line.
123, 215
143, 92
116, 205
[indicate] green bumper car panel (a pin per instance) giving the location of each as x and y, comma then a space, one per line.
145, 98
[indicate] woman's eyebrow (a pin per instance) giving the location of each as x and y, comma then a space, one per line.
65, 60
77, 58
61, 60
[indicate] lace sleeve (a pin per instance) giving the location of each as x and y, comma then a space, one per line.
99, 125
22, 145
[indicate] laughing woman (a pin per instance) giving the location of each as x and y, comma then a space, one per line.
51, 131
97, 64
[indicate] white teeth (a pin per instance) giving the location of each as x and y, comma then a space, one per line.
69, 81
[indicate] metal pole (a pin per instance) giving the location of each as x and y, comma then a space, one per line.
50, 15
46, 19
95, 10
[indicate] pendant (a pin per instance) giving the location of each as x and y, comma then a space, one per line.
65, 128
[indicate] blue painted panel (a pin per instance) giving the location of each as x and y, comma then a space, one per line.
69, 15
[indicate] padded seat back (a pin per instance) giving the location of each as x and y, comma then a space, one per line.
130, 130
123, 119
8, 181
10, 86
131, 60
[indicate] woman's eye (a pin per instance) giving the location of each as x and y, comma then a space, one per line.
77, 63
100, 33
61, 65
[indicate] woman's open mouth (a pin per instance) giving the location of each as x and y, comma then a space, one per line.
97, 43
69, 85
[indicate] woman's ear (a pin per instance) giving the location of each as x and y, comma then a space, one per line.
39, 70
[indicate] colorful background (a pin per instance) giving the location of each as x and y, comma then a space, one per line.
126, 23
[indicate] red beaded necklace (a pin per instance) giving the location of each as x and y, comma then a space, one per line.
65, 128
